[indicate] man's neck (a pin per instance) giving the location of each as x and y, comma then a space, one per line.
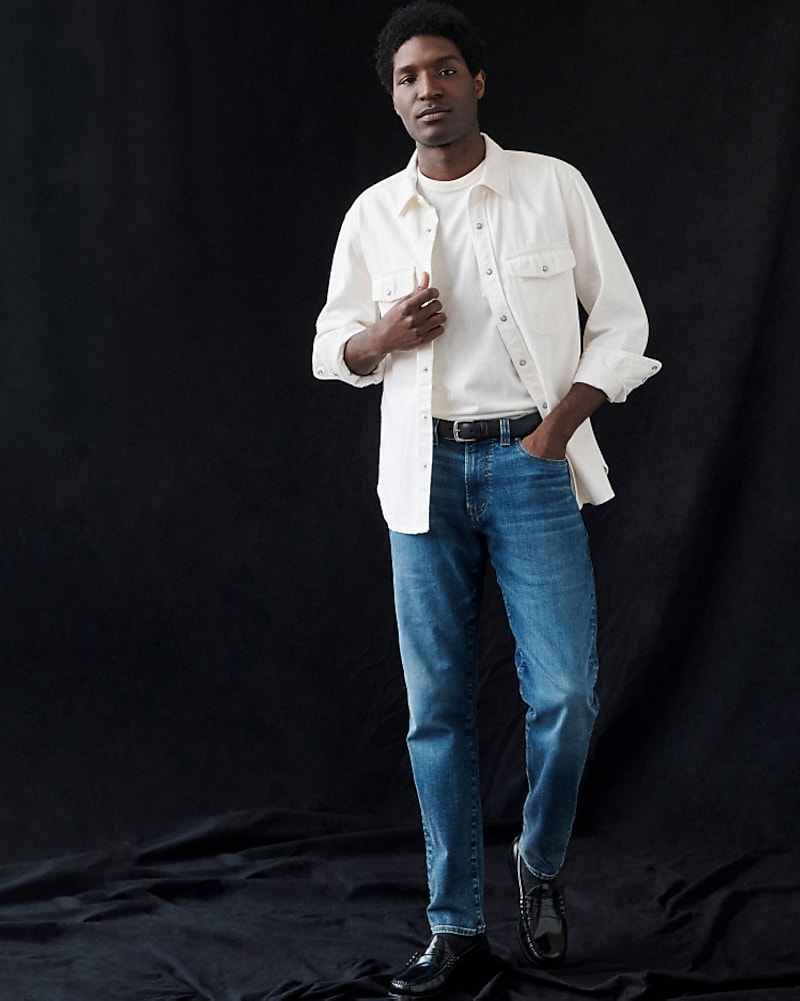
447, 163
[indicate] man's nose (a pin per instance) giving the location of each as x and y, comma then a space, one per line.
429, 86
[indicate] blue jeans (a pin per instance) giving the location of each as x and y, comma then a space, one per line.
495, 501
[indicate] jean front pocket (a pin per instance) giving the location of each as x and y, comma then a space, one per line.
556, 463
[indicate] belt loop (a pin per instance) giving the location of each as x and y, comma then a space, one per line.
505, 431
435, 430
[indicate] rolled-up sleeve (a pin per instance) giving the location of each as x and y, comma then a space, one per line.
349, 309
616, 330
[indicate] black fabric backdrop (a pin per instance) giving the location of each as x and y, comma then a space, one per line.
205, 791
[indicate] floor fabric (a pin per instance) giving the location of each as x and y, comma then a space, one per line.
286, 906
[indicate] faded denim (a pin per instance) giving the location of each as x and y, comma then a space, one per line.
493, 500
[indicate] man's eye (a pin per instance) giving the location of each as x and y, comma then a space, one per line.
448, 71
406, 79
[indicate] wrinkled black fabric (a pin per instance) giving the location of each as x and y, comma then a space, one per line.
292, 906
195, 601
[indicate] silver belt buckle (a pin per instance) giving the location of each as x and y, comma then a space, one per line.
457, 433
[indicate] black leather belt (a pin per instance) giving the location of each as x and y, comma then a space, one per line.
487, 430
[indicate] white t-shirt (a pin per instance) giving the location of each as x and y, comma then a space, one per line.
473, 374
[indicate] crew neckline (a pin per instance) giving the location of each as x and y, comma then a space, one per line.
465, 181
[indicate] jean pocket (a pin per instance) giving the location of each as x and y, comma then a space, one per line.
556, 463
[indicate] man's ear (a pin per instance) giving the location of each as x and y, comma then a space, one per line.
480, 84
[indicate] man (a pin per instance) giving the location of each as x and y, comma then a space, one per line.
486, 452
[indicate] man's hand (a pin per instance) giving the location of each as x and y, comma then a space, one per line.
412, 321
549, 440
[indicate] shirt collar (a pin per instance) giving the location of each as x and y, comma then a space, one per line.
495, 176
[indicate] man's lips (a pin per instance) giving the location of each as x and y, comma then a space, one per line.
433, 113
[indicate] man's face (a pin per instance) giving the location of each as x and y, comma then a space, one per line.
434, 92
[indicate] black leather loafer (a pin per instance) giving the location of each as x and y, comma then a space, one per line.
436, 966
542, 923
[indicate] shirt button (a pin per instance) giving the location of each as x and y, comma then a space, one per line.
545, 267
479, 225
503, 319
488, 271
522, 362
544, 406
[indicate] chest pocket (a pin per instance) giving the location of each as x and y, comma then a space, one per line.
389, 287
544, 288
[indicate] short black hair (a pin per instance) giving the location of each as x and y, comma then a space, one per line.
427, 18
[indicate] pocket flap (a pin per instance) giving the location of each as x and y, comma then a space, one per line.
393, 285
544, 262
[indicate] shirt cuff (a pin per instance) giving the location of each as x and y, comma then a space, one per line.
329, 363
617, 373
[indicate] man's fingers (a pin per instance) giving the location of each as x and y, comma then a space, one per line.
422, 295
429, 309
433, 326
420, 314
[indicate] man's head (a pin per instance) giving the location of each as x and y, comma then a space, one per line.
430, 59
439, 19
